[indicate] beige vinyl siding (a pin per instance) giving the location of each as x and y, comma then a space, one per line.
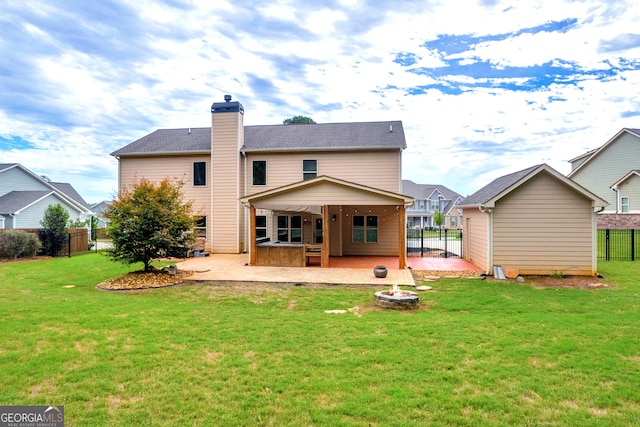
177, 168
227, 217
609, 166
388, 222
544, 227
475, 237
379, 169
631, 189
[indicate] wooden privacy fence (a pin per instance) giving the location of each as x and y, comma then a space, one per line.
77, 240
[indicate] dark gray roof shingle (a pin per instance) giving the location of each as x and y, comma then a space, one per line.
496, 187
326, 136
13, 201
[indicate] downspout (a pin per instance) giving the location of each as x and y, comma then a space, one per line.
246, 211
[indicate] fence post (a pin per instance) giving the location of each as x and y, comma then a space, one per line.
633, 245
422, 242
606, 244
445, 244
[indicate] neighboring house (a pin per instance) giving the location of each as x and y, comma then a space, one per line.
283, 192
428, 200
536, 221
25, 196
99, 209
612, 172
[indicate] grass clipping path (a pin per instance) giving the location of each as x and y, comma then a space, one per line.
158, 278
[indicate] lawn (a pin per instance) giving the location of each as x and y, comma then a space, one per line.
475, 352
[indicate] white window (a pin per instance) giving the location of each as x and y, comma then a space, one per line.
309, 169
624, 204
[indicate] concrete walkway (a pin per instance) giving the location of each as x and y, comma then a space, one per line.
232, 267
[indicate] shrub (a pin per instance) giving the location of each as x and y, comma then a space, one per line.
18, 243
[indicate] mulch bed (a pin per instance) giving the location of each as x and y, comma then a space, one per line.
144, 280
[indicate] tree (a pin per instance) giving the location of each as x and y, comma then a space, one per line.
54, 228
299, 120
150, 221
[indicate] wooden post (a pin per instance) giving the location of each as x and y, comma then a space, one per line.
402, 256
324, 260
252, 235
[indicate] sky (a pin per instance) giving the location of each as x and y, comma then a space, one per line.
483, 88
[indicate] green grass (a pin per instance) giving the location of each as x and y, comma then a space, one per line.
475, 353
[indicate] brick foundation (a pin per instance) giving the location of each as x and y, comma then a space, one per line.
624, 221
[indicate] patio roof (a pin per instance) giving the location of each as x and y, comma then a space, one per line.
311, 195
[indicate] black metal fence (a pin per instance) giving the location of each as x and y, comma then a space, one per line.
618, 245
434, 243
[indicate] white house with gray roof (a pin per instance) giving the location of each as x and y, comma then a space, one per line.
430, 199
25, 196
283, 193
612, 172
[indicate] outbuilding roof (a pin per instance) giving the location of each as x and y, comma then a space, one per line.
488, 195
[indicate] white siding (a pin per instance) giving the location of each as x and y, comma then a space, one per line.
610, 165
630, 189
15, 179
31, 216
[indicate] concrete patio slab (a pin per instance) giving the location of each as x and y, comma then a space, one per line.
234, 267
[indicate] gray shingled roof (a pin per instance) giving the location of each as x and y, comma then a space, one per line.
422, 191
13, 201
496, 187
326, 136
167, 141
68, 189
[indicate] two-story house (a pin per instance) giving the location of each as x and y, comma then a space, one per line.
283, 193
430, 199
25, 196
612, 172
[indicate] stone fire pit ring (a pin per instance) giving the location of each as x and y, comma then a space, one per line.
397, 299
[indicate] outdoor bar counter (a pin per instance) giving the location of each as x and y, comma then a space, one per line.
285, 254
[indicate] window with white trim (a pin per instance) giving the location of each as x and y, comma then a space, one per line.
365, 229
199, 173
259, 172
624, 204
309, 169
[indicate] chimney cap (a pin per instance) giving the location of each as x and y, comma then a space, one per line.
227, 98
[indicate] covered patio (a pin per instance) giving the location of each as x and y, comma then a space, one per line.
311, 222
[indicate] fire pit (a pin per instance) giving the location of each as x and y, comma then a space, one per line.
397, 298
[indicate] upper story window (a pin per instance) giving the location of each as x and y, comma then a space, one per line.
624, 204
434, 204
309, 169
259, 172
365, 229
199, 173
